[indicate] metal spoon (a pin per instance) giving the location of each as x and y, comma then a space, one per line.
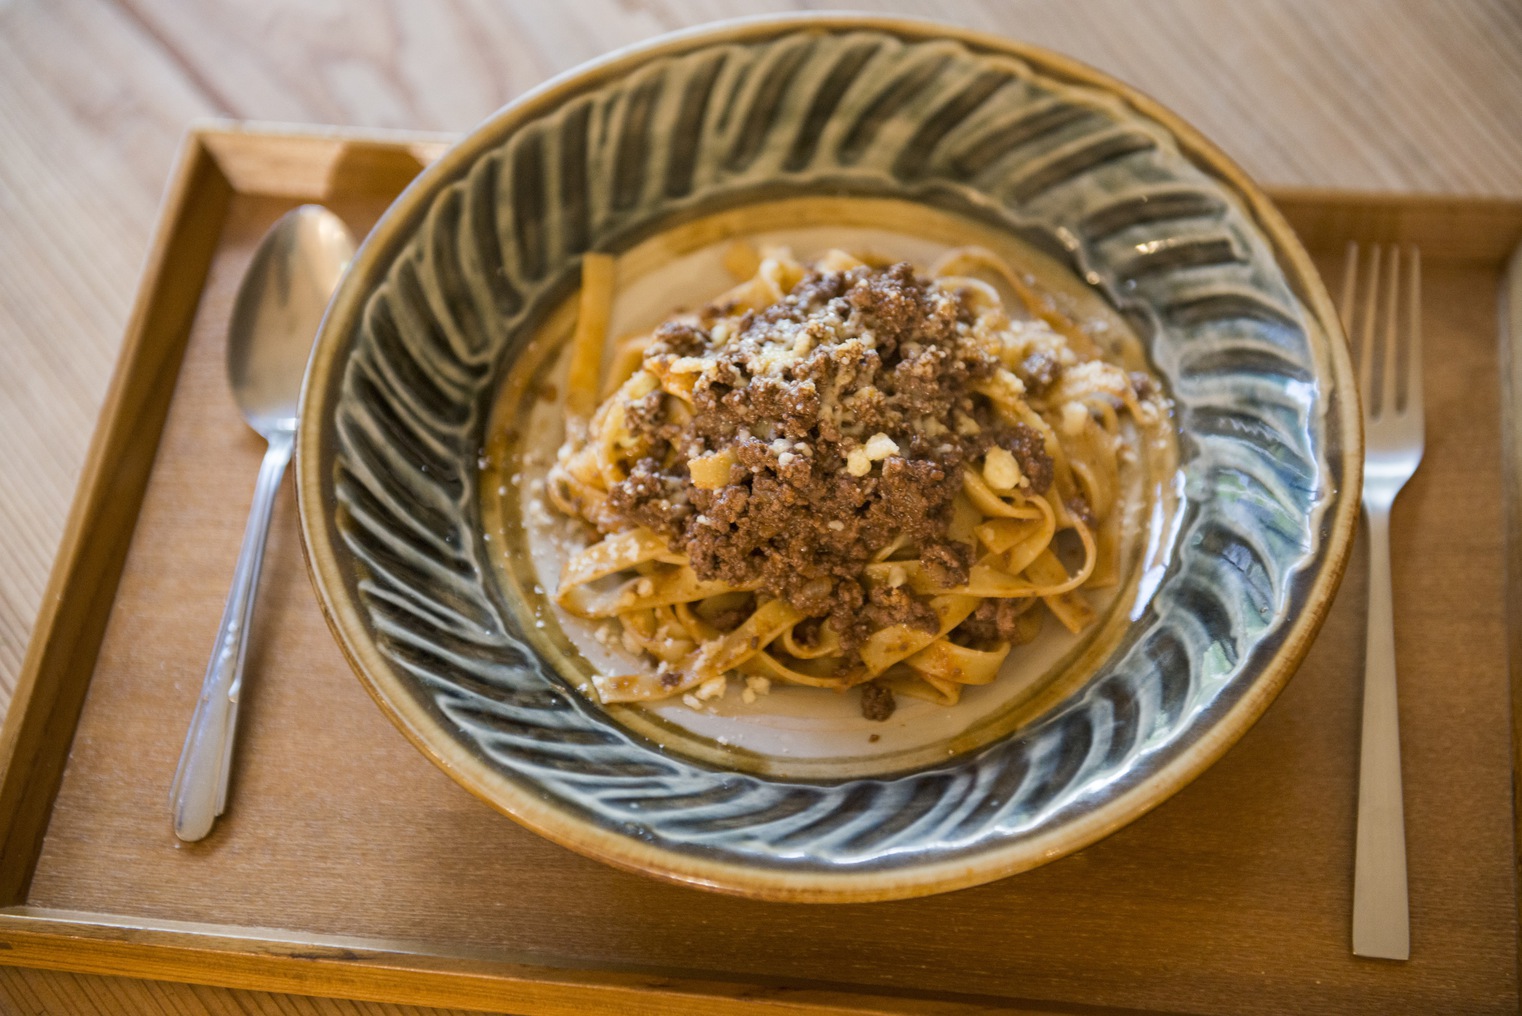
280, 304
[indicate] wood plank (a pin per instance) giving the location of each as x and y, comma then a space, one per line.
1510, 348
1476, 230
321, 164
473, 979
38, 992
1364, 94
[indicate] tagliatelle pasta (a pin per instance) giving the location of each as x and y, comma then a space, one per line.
841, 473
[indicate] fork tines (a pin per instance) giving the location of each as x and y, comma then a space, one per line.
1379, 332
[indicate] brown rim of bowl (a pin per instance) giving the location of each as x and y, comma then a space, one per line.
586, 838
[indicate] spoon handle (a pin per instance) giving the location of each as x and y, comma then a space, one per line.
199, 793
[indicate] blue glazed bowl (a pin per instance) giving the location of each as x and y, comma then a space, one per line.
905, 126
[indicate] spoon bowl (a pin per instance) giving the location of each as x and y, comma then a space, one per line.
279, 305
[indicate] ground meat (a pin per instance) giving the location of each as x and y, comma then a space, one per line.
897, 606
798, 392
901, 309
651, 497
1028, 447
877, 702
913, 499
994, 621
946, 563
678, 338
1038, 372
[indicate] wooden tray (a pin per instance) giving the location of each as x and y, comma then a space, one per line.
348, 865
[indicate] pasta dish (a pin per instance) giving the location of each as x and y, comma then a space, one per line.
841, 474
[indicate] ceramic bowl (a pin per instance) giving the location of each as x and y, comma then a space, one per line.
900, 134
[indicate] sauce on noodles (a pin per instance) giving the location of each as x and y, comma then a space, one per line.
843, 474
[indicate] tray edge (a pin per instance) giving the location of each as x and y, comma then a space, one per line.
55, 674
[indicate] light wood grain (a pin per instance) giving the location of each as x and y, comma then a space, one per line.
94, 96
84, 162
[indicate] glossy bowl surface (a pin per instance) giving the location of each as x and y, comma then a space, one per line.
449, 291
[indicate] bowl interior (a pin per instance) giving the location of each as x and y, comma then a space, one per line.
798, 732
474, 265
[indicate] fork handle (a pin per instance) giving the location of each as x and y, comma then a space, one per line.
1381, 917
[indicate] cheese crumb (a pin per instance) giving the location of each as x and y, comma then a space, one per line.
714, 687
880, 446
1000, 470
857, 462
758, 684
691, 701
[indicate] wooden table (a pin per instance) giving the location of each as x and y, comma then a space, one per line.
94, 94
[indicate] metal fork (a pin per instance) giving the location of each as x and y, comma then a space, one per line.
1381, 306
